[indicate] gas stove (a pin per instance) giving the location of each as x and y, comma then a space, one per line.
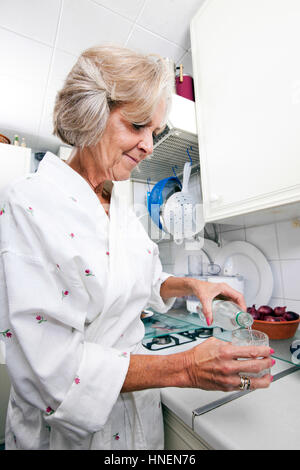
177, 340
173, 332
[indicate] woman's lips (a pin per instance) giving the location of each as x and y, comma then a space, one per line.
132, 160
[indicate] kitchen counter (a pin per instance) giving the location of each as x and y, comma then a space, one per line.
263, 419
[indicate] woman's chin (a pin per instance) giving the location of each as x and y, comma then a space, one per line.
121, 173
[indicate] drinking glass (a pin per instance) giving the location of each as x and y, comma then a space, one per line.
245, 337
195, 265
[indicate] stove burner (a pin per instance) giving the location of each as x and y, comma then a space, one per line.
166, 341
162, 340
199, 333
169, 341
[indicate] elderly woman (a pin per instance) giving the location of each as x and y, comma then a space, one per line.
77, 269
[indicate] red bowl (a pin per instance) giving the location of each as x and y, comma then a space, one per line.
4, 139
277, 330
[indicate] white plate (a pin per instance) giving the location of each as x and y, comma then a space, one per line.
246, 260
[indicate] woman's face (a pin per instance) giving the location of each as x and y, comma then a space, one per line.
124, 145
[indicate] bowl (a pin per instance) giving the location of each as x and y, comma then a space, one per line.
277, 330
4, 139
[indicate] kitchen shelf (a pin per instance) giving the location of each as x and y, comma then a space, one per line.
168, 153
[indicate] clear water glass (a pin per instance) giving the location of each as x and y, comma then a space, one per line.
245, 337
195, 265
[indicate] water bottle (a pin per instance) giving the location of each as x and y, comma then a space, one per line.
227, 315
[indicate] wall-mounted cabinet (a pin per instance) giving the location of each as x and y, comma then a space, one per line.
247, 86
14, 162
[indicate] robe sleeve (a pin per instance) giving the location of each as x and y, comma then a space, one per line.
73, 382
156, 301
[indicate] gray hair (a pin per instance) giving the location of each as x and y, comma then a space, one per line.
105, 77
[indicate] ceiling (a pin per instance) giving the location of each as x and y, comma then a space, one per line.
40, 41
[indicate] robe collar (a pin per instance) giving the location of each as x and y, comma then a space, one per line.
59, 173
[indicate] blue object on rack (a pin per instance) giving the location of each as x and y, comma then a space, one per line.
148, 194
187, 151
159, 194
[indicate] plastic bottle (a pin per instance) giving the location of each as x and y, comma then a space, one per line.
23, 143
16, 140
227, 315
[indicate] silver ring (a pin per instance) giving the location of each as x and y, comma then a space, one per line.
245, 383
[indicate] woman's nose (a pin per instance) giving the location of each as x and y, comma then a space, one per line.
146, 145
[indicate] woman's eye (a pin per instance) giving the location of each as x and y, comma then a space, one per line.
137, 127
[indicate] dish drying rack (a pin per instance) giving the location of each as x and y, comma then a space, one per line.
170, 151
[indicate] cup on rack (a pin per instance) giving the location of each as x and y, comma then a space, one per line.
245, 337
195, 265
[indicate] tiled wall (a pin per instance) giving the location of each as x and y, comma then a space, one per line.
40, 42
280, 244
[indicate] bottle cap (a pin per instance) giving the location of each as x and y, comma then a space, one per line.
245, 324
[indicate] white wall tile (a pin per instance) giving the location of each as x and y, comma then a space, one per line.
291, 305
276, 270
24, 58
21, 105
23, 84
46, 139
291, 279
85, 24
275, 302
264, 238
230, 227
289, 240
128, 8
148, 42
62, 64
34, 18
165, 253
232, 236
72, 26
170, 19
280, 243
168, 268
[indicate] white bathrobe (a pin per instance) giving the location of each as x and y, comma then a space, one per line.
73, 283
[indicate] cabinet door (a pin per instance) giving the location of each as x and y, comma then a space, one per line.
14, 162
247, 85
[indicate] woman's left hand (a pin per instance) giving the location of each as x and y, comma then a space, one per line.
207, 291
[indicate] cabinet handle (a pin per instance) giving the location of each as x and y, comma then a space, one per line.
215, 198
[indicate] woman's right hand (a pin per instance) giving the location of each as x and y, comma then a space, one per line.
214, 365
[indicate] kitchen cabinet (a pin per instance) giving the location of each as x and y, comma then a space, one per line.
247, 88
4, 396
179, 436
14, 163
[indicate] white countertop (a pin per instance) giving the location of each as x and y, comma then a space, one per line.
263, 419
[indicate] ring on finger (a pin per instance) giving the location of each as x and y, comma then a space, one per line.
245, 383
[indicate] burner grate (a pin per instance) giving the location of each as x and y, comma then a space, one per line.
198, 333
164, 342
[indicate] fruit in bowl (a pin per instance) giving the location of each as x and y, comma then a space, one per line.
277, 323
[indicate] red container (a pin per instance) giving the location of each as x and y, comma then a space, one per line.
185, 87
277, 330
